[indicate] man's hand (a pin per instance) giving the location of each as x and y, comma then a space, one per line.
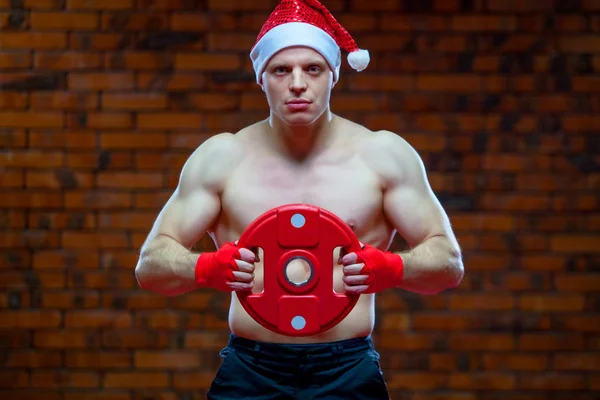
228, 269
244, 277
371, 270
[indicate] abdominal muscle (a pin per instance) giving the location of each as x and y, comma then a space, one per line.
358, 323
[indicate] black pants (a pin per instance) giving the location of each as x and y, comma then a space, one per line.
251, 370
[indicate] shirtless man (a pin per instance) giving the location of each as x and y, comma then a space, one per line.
302, 153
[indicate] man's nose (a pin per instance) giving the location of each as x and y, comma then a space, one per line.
298, 82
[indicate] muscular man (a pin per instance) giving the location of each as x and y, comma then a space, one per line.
302, 153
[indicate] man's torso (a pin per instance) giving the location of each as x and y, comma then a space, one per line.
344, 180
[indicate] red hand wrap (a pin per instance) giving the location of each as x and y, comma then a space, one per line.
385, 269
216, 268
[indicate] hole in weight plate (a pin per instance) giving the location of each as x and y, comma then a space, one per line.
298, 323
298, 271
298, 220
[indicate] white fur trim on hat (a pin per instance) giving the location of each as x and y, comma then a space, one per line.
295, 34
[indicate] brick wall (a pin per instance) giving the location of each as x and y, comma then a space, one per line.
103, 100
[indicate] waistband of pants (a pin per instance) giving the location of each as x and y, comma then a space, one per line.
310, 350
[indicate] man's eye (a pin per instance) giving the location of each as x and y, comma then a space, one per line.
315, 68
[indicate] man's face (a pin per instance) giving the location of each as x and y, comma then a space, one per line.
298, 83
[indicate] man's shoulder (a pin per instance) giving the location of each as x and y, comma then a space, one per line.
391, 156
212, 160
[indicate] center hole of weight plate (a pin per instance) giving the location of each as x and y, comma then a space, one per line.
298, 271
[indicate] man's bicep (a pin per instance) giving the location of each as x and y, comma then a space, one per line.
187, 216
416, 213
410, 203
195, 204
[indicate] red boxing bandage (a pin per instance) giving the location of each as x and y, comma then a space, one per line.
216, 269
385, 269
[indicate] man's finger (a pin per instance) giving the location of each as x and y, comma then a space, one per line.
355, 279
355, 289
241, 285
247, 255
244, 266
243, 276
353, 269
349, 258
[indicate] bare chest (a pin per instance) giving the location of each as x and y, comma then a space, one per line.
346, 187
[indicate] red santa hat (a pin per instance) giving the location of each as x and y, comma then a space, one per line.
306, 23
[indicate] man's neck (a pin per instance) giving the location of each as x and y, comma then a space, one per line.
301, 142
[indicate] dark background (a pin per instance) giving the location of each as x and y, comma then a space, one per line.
102, 101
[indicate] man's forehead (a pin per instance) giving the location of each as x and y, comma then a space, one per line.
297, 54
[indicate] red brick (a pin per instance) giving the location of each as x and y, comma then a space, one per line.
152, 161
102, 280
233, 5
61, 20
134, 300
95, 41
437, 322
65, 339
44, 4
192, 380
67, 60
99, 4
205, 340
552, 342
169, 121
100, 81
133, 101
32, 40
584, 323
104, 395
205, 62
191, 21
483, 381
494, 342
516, 361
138, 339
33, 359
70, 140
63, 100
575, 243
576, 362
31, 319
552, 381
14, 60
577, 283
52, 180
525, 6
98, 359
135, 380
482, 302
416, 381
230, 41
97, 319
64, 379
68, 299
81, 240
171, 81
30, 120
395, 321
16, 378
97, 201
163, 360
121, 141
30, 199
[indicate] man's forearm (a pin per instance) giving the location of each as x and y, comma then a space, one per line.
166, 267
431, 267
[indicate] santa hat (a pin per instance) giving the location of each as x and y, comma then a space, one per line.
306, 23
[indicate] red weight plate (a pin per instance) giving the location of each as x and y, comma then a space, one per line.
298, 231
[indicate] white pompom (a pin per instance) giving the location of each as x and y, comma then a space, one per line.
359, 59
